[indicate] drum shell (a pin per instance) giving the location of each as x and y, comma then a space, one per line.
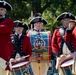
68, 65
26, 63
41, 45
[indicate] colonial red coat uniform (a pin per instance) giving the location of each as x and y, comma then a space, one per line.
27, 46
70, 36
6, 48
21, 46
56, 40
57, 43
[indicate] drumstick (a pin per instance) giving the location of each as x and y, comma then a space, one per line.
26, 56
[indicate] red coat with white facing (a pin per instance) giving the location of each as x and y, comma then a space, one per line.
27, 45
56, 41
23, 44
6, 48
70, 36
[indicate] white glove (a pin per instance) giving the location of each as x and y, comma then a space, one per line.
71, 25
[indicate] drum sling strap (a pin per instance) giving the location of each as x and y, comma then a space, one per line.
68, 44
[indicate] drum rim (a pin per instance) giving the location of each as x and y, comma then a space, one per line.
23, 66
65, 61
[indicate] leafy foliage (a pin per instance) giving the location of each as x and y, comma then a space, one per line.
49, 9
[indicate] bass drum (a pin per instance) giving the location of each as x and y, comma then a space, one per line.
41, 48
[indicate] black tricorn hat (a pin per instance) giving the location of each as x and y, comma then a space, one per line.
38, 19
18, 23
5, 5
66, 15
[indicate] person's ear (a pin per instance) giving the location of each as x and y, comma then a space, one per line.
5, 11
61, 21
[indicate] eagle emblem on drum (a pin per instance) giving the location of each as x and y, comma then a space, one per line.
39, 43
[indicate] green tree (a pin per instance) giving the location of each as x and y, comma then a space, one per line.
49, 9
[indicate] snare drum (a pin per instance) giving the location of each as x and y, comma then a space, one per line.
67, 66
20, 68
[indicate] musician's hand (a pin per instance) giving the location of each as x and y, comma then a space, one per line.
12, 60
71, 25
62, 56
72, 55
22, 58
